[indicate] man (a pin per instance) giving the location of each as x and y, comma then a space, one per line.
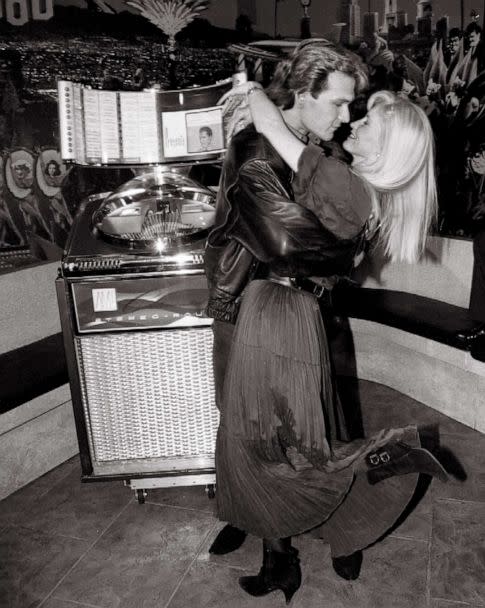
474, 60
453, 54
232, 259
205, 138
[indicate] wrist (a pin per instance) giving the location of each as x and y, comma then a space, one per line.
252, 89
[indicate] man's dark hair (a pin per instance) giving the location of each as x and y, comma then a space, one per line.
307, 70
473, 27
207, 130
455, 32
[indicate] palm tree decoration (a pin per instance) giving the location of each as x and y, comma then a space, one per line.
171, 16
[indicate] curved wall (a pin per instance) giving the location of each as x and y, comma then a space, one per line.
444, 378
444, 273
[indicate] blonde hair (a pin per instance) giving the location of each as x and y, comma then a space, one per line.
402, 175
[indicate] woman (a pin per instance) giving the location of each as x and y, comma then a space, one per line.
279, 470
393, 153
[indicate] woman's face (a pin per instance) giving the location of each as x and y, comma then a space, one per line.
364, 141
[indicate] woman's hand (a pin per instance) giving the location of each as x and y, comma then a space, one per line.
235, 107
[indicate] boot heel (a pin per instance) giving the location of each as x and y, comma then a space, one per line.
289, 593
348, 566
280, 571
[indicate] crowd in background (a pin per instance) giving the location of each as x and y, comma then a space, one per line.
450, 86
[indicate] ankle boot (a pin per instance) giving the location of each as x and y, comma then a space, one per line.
279, 571
399, 458
229, 539
348, 566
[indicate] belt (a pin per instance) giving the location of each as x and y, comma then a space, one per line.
300, 284
303, 284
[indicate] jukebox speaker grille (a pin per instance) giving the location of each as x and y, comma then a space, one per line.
148, 395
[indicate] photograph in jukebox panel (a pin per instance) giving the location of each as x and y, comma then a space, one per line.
195, 133
205, 132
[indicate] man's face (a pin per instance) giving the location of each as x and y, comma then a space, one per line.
473, 39
454, 44
325, 113
205, 140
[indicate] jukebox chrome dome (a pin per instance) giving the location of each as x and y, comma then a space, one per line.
158, 209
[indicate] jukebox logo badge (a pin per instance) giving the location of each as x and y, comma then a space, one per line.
104, 300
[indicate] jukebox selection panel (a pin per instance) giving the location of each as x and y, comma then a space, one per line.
140, 303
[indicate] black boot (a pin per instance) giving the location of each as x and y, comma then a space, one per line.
229, 539
348, 566
280, 570
399, 458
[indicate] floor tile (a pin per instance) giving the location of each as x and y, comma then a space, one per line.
32, 564
378, 407
468, 447
139, 560
419, 522
393, 575
248, 557
72, 508
54, 602
13, 508
448, 604
210, 585
472, 489
193, 497
458, 552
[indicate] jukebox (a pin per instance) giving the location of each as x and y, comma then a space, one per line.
132, 292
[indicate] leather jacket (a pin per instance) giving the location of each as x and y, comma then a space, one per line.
259, 228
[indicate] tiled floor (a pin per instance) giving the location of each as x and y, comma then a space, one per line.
64, 544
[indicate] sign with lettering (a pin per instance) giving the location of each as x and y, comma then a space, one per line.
19, 12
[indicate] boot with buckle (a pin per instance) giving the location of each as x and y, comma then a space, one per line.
399, 458
280, 571
228, 540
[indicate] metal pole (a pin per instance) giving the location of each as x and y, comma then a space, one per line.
275, 18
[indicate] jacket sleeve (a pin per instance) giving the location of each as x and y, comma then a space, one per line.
268, 222
328, 187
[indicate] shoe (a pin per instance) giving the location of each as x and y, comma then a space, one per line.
400, 459
348, 566
228, 540
477, 349
466, 337
280, 571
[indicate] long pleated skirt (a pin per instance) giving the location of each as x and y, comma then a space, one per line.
279, 472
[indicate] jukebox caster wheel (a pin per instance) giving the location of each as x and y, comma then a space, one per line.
140, 496
211, 490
